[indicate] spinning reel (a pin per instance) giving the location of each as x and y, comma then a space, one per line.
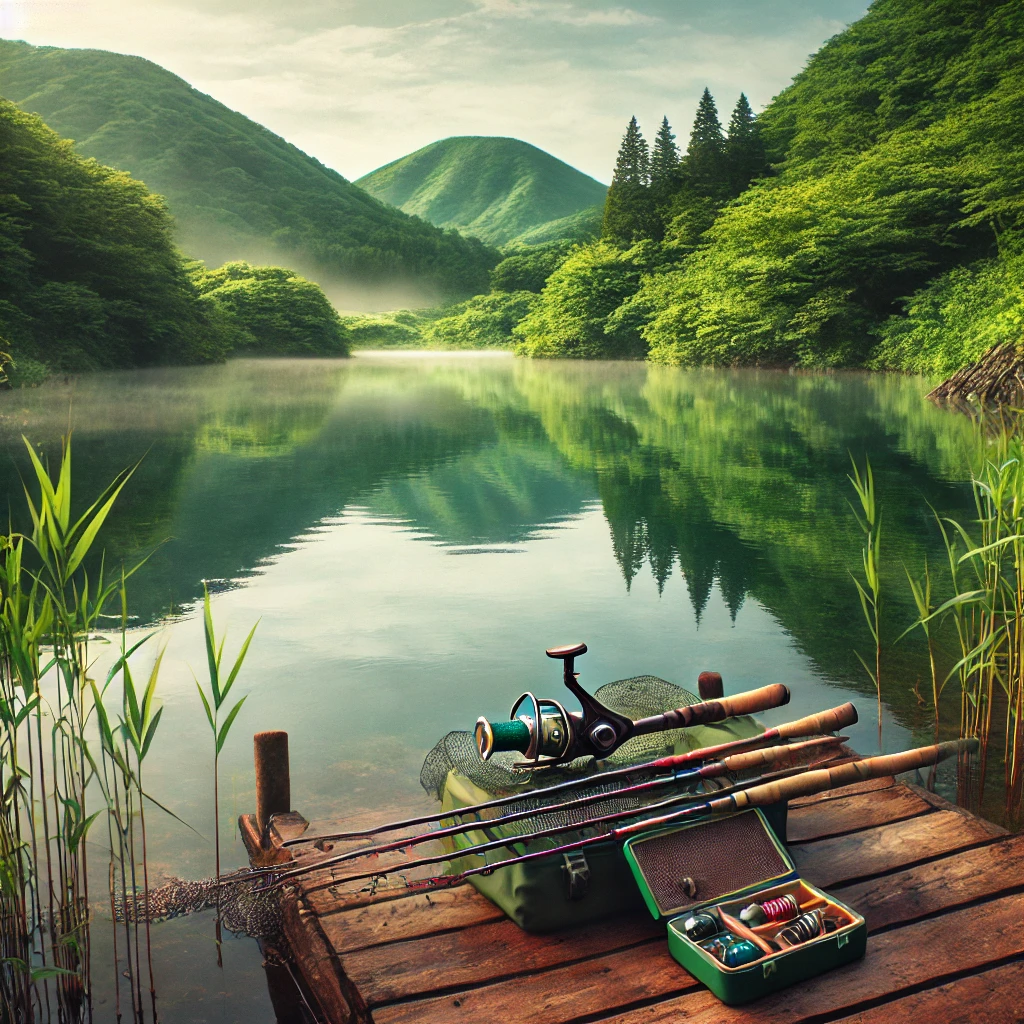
546, 734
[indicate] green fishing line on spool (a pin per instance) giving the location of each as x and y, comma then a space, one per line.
513, 735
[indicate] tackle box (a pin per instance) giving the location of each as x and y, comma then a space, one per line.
726, 864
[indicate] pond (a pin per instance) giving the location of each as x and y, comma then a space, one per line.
412, 530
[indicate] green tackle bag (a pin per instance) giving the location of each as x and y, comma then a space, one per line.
586, 885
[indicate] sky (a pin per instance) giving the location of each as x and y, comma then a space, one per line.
358, 83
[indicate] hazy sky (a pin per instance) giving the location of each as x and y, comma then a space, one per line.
358, 83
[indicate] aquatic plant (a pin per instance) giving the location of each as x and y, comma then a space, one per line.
986, 566
51, 607
220, 688
870, 591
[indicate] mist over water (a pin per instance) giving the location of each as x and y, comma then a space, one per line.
218, 244
412, 531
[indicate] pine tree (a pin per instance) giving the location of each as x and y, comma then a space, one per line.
704, 162
664, 163
627, 208
744, 149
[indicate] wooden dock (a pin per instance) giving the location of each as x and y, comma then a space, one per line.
942, 892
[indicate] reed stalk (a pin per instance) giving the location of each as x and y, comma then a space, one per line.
58, 750
870, 591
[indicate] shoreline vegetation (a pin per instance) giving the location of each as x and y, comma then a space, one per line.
871, 216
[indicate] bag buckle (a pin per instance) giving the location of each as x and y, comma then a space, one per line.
578, 875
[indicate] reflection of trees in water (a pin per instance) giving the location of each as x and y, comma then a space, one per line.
735, 479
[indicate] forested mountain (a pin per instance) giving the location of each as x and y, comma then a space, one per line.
236, 190
872, 215
90, 276
492, 188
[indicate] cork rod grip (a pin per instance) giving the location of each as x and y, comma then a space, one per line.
787, 753
748, 703
832, 778
832, 720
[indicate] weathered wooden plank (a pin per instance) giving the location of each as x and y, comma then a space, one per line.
993, 997
608, 983
600, 985
864, 810
951, 881
920, 954
314, 960
418, 915
868, 786
942, 804
487, 952
887, 848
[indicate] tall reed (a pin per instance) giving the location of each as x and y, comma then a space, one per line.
870, 591
214, 705
51, 766
986, 567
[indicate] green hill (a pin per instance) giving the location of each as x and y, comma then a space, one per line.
90, 274
493, 188
886, 228
584, 226
236, 190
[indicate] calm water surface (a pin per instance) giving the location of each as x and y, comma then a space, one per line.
413, 530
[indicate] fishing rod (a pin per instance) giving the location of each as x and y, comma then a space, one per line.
504, 842
548, 735
782, 755
786, 785
833, 720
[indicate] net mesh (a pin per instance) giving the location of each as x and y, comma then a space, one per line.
245, 906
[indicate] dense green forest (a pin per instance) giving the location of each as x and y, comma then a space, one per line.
236, 190
870, 216
92, 279
496, 189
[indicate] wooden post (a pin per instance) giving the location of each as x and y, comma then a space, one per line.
273, 777
709, 684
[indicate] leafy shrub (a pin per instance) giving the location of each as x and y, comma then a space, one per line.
272, 311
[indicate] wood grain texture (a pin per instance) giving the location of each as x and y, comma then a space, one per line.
952, 881
926, 953
607, 984
992, 997
419, 915
867, 786
601, 985
887, 848
484, 953
318, 968
863, 810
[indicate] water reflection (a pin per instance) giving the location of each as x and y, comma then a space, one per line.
675, 520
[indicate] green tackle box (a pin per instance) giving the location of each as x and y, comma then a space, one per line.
727, 863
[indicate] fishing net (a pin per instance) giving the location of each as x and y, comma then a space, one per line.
635, 698
246, 907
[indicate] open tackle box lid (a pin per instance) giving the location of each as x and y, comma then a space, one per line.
734, 859
719, 858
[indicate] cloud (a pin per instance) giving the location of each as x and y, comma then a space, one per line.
358, 83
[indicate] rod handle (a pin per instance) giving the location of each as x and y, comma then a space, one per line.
833, 720
706, 712
787, 753
809, 783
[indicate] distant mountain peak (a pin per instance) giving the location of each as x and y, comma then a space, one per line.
492, 187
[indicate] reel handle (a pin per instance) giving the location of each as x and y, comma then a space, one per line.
709, 711
833, 720
810, 783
